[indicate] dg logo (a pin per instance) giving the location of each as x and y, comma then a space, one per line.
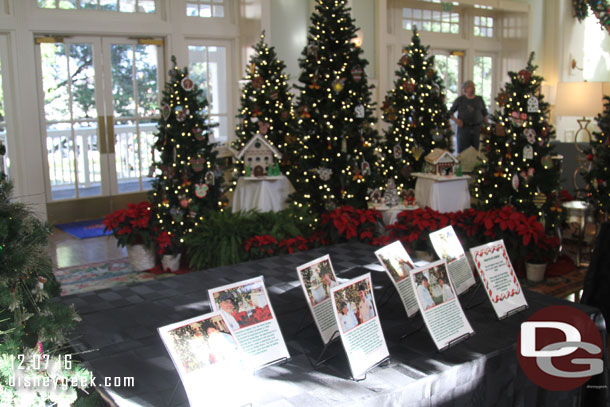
560, 348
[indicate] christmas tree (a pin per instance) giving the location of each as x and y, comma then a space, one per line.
416, 113
518, 168
32, 326
188, 180
599, 156
335, 119
266, 106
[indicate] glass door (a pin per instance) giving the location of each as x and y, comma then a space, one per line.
71, 81
132, 96
100, 107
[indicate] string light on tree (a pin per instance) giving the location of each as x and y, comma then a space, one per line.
184, 188
334, 115
416, 113
519, 169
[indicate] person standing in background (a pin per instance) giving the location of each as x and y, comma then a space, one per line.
472, 113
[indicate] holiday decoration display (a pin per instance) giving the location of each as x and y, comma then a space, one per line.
337, 134
518, 164
440, 162
259, 157
32, 326
390, 196
416, 113
598, 176
186, 158
266, 109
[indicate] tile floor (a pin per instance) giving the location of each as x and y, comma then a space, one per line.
66, 250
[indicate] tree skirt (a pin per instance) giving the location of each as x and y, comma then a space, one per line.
89, 277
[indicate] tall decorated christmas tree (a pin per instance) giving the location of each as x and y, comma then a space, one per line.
266, 106
598, 177
335, 119
518, 168
188, 180
32, 326
416, 113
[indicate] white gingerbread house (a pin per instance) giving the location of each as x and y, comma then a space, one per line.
440, 162
259, 155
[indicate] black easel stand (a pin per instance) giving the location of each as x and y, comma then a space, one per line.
320, 360
471, 295
457, 340
383, 362
513, 312
280, 361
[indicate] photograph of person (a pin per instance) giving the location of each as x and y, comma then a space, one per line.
203, 343
396, 260
244, 305
433, 287
354, 305
451, 249
318, 279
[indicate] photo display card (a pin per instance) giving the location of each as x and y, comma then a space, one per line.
204, 351
499, 278
248, 313
317, 279
398, 264
356, 315
448, 247
439, 305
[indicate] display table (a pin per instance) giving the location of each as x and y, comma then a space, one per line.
390, 214
443, 194
263, 194
118, 337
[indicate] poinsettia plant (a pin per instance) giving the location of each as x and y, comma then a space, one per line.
347, 223
131, 226
168, 243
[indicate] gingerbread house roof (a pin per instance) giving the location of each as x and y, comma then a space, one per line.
439, 154
263, 140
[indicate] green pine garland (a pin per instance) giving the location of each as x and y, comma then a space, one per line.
601, 9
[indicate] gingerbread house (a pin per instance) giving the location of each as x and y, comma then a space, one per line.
259, 155
440, 162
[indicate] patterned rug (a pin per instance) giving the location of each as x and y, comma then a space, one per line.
90, 277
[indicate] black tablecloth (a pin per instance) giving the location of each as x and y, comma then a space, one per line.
118, 338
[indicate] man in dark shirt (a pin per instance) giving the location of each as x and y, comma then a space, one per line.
471, 114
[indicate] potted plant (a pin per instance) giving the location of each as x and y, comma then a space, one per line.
538, 255
131, 228
170, 250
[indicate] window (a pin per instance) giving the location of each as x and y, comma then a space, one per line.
210, 70
122, 6
438, 21
483, 26
449, 66
482, 78
514, 26
205, 8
